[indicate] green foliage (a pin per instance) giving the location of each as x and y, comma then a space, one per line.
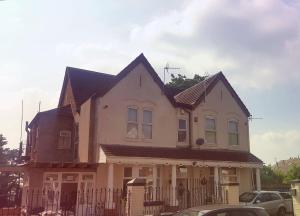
292, 173
181, 82
271, 177
8, 181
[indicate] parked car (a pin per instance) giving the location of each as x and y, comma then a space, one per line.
223, 210
272, 201
288, 201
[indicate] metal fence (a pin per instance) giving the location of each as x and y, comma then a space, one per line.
170, 199
98, 202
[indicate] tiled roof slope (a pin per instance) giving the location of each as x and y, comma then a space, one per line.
85, 83
196, 94
179, 153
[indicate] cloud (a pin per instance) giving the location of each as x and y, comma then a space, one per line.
276, 145
259, 39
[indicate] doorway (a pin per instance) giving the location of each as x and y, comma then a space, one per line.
68, 197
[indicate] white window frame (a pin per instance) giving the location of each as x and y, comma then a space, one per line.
68, 145
132, 122
209, 130
237, 133
179, 129
147, 124
236, 175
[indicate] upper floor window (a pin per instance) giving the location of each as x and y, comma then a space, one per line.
233, 133
147, 124
132, 123
210, 130
182, 130
64, 139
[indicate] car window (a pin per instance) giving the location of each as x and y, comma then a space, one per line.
247, 197
286, 195
263, 197
274, 196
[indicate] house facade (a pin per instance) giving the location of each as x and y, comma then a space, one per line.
109, 129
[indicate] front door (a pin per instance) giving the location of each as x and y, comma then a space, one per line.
68, 197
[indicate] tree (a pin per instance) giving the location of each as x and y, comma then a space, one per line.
181, 82
292, 173
9, 182
271, 179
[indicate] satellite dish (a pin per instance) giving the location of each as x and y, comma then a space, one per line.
200, 141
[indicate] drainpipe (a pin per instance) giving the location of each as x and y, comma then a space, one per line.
190, 127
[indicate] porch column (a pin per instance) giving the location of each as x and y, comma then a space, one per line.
154, 181
216, 181
258, 184
110, 186
173, 201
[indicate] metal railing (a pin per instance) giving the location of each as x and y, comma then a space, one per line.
98, 202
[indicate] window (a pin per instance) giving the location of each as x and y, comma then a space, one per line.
127, 172
210, 130
147, 124
233, 132
132, 123
182, 130
229, 175
64, 141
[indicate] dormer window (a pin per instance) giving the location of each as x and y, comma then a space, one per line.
210, 130
132, 123
182, 131
233, 132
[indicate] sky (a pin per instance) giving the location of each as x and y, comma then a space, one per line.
256, 44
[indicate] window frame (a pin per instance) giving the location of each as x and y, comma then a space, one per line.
231, 133
69, 145
132, 122
210, 130
182, 130
147, 124
223, 176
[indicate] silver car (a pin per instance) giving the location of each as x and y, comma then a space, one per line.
272, 201
223, 210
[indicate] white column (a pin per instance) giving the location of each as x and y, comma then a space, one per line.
174, 186
154, 181
216, 181
258, 184
110, 185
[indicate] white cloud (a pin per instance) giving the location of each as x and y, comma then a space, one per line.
276, 145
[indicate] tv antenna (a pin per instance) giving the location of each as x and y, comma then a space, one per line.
254, 118
167, 68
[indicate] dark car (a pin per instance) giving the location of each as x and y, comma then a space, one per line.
223, 210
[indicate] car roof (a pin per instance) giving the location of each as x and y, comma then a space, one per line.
208, 208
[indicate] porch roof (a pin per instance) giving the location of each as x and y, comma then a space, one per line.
179, 153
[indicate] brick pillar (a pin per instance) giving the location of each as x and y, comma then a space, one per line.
231, 193
295, 189
135, 197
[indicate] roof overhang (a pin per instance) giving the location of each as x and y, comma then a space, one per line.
178, 162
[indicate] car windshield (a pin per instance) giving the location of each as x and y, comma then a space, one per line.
247, 197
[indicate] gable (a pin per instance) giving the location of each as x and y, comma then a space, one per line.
196, 94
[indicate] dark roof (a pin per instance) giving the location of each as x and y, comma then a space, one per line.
179, 153
196, 94
62, 111
85, 83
